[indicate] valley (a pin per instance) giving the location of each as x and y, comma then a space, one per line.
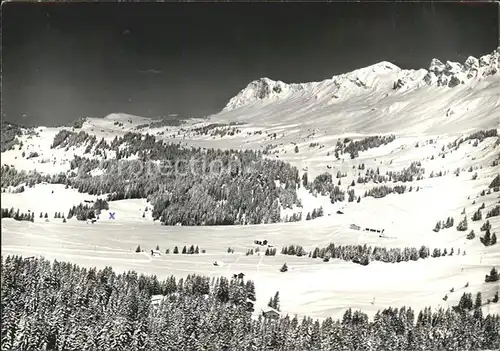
361, 149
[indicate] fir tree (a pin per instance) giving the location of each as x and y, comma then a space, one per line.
276, 301
471, 235
437, 227
495, 182
462, 225
304, 180
315, 253
320, 211
284, 268
477, 216
486, 239
314, 214
465, 303
493, 276
486, 226
250, 289
270, 303
479, 302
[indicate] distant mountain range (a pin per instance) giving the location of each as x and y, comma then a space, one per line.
381, 75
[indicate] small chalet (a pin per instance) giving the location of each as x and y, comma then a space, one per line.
374, 230
270, 313
157, 299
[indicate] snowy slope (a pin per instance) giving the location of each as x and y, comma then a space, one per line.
379, 98
422, 107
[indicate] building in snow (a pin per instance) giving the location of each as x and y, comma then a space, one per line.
366, 229
373, 230
157, 299
270, 313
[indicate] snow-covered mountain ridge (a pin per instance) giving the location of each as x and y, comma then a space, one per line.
380, 75
453, 73
304, 125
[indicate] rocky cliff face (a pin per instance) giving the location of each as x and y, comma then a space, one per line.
262, 89
451, 74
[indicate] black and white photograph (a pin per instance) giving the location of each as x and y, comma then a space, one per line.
243, 176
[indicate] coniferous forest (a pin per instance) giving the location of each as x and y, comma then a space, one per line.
188, 186
61, 306
364, 254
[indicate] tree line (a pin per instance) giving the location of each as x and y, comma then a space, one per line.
83, 212
246, 193
191, 250
27, 216
61, 306
478, 136
9, 133
253, 190
17, 215
364, 254
351, 147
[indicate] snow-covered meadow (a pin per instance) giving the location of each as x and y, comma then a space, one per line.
312, 116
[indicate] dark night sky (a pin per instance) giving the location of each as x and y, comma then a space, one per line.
63, 61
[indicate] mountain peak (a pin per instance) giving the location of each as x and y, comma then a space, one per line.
379, 76
436, 66
451, 74
381, 67
266, 89
261, 89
